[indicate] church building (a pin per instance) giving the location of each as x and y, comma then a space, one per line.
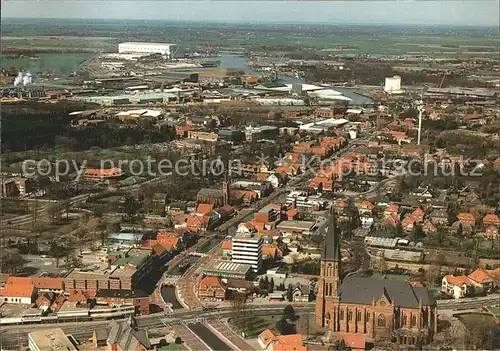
389, 310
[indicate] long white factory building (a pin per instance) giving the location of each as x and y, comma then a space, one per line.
170, 50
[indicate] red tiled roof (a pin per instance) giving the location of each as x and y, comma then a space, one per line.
366, 204
168, 242
149, 243
418, 212
78, 296
227, 245
458, 280
269, 251
47, 283
203, 209
98, 172
159, 249
466, 217
392, 208
354, 341
480, 276
17, 287
491, 218
211, 282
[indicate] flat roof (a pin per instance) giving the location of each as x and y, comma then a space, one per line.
298, 225
402, 255
123, 273
72, 306
228, 267
380, 241
51, 339
134, 256
89, 274
126, 236
139, 43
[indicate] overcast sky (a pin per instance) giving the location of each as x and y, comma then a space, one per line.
444, 12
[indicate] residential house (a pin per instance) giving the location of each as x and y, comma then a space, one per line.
466, 217
212, 289
269, 253
491, 219
408, 223
391, 209
424, 193
365, 207
321, 184
290, 171
292, 214
366, 219
466, 228
246, 228
271, 342
226, 212
418, 215
485, 279
391, 220
456, 286
58, 303
204, 209
44, 300
428, 227
227, 249
439, 217
301, 293
491, 232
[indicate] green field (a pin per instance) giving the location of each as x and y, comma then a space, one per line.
54, 62
368, 40
61, 42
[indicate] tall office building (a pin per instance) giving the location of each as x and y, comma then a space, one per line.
247, 249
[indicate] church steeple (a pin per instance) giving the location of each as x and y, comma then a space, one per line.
331, 251
329, 281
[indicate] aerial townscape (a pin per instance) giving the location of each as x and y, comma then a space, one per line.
249, 183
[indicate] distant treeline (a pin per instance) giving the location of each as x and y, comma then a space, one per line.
375, 73
46, 127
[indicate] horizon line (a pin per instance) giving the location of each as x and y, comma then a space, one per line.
291, 22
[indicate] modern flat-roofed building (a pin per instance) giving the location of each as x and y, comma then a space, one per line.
169, 50
227, 270
296, 227
49, 339
247, 249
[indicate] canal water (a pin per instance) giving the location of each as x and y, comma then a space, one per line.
208, 337
168, 295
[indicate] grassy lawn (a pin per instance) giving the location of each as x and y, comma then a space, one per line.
256, 325
495, 310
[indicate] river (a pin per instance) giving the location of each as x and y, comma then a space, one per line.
231, 61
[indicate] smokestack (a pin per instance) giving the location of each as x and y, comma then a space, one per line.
18, 79
27, 79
